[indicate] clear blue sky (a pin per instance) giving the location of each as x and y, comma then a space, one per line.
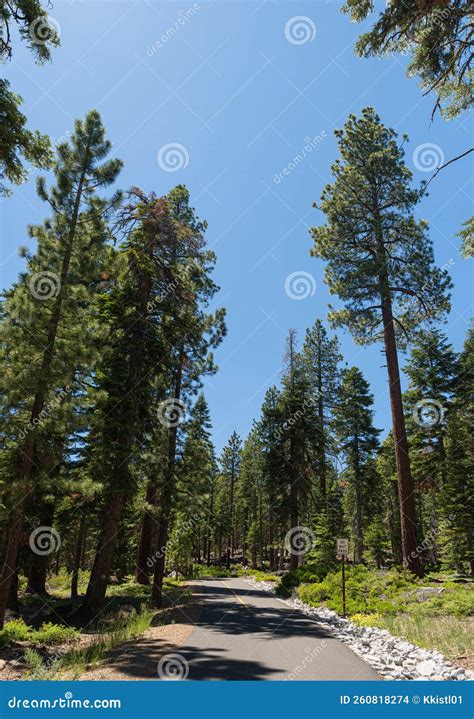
231, 88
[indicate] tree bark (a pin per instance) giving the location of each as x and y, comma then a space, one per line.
210, 523
104, 556
293, 467
231, 511
166, 496
411, 559
13, 603
143, 568
38, 565
271, 532
322, 439
78, 551
10, 563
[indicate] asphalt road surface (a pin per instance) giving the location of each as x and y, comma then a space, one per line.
244, 633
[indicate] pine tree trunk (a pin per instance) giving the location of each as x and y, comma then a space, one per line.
78, 551
210, 523
142, 569
166, 497
411, 559
322, 439
15, 534
104, 556
231, 510
293, 467
358, 550
394, 523
38, 565
442, 457
13, 604
271, 537
293, 519
260, 533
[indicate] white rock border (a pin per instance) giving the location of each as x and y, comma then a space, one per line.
391, 657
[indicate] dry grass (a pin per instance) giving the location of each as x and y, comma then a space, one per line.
451, 636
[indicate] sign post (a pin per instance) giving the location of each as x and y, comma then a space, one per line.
342, 548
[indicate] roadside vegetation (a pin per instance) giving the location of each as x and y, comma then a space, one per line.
57, 650
435, 612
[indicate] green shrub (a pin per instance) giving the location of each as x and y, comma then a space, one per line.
15, 631
388, 593
200, 571
48, 633
258, 575
38, 668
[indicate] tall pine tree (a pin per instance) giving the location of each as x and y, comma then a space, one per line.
381, 265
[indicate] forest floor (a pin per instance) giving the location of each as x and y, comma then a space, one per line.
138, 658
44, 642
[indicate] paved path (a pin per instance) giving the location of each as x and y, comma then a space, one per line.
244, 633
